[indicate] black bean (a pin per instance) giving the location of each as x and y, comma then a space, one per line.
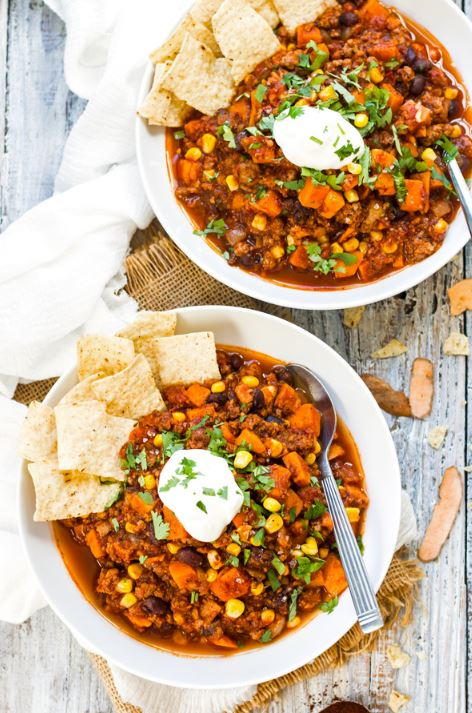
417, 85
236, 361
190, 556
410, 56
454, 109
154, 605
219, 399
348, 19
274, 419
248, 260
422, 65
282, 373
258, 400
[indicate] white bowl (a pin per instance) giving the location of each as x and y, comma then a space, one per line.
444, 20
355, 404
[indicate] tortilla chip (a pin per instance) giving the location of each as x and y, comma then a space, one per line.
297, 12
436, 436
62, 495
456, 344
171, 48
460, 296
150, 349
352, 316
397, 700
38, 440
99, 353
161, 107
397, 657
150, 324
82, 391
198, 78
130, 393
89, 440
186, 358
243, 36
266, 9
392, 349
203, 10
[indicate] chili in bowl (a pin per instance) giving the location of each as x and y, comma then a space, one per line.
374, 218
146, 574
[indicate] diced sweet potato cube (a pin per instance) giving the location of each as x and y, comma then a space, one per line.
299, 470
93, 541
176, 530
307, 33
230, 584
188, 171
385, 50
335, 451
196, 414
415, 199
293, 502
138, 620
385, 184
184, 575
223, 641
268, 204
252, 439
244, 393
373, 10
299, 258
382, 158
240, 110
287, 398
307, 418
342, 270
138, 504
333, 203
395, 99
197, 394
227, 433
334, 579
312, 195
281, 478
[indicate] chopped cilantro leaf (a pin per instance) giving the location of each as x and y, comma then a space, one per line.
142, 559
193, 596
319, 264
316, 509
129, 461
345, 151
442, 178
141, 460
345, 93
146, 498
202, 506
360, 544
171, 483
115, 523
246, 556
197, 426
179, 134
450, 149
292, 607
218, 227
223, 492
273, 580
306, 567
259, 537
316, 140
330, 605
208, 491
347, 258
278, 565
392, 63
260, 92
244, 486
266, 636
161, 528
227, 133
292, 514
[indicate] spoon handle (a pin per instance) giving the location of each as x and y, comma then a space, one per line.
462, 190
363, 597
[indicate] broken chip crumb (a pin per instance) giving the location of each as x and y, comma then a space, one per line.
392, 349
456, 344
436, 436
397, 657
460, 296
352, 316
397, 700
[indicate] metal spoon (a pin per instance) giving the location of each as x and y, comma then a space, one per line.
462, 189
363, 597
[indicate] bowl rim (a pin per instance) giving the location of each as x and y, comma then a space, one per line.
179, 227
102, 643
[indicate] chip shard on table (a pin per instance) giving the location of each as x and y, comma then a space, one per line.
187, 358
89, 439
97, 352
352, 316
132, 392
38, 439
397, 657
436, 436
456, 344
148, 324
61, 495
392, 349
397, 700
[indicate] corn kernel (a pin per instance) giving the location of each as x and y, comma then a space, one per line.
257, 589
277, 251
323, 552
351, 245
208, 143
310, 458
231, 182
149, 482
455, 132
363, 247
127, 600
310, 547
376, 75
361, 120
317, 446
273, 523
211, 575
327, 93
214, 559
129, 527
290, 240
354, 168
218, 387
336, 248
124, 586
173, 548
234, 608
376, 235
135, 570
429, 155
193, 154
267, 616
313, 95
209, 174
353, 514
251, 381
271, 504
242, 459
178, 416
451, 93
275, 447
259, 222
351, 196
317, 72
301, 102
293, 622
158, 440
233, 548
441, 226
296, 553
389, 247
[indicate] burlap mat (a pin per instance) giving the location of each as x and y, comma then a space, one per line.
160, 276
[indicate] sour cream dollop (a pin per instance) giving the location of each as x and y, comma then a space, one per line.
201, 491
313, 137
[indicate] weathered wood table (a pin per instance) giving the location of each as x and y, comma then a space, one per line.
42, 668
